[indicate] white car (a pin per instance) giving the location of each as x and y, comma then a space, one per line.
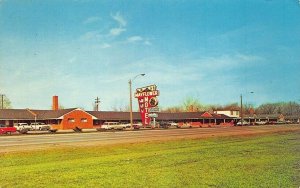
22, 126
39, 126
260, 123
173, 124
244, 123
113, 125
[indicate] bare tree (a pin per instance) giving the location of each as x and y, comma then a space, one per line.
5, 102
173, 109
191, 104
285, 108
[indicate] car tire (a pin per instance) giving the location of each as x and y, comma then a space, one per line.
23, 131
52, 130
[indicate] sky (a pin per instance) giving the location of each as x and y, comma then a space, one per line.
210, 50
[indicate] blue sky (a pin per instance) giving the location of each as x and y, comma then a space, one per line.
212, 50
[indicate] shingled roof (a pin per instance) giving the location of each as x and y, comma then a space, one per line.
20, 114
51, 114
24, 114
166, 116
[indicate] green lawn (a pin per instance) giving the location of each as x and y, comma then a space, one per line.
261, 161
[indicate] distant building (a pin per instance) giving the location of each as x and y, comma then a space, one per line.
231, 112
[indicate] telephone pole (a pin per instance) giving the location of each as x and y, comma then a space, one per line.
97, 102
2, 101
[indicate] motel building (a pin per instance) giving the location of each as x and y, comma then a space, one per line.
73, 118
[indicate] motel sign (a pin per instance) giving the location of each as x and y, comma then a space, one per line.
147, 99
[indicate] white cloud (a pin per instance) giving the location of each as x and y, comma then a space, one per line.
117, 17
90, 35
105, 45
147, 42
138, 39
116, 31
135, 39
92, 20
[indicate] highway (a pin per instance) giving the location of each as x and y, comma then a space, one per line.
32, 141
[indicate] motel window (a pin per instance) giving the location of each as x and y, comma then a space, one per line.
84, 120
231, 112
71, 120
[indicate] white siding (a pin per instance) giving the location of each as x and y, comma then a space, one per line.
230, 113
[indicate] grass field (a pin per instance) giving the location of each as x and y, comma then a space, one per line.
257, 161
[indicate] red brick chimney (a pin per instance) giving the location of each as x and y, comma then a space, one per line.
55, 103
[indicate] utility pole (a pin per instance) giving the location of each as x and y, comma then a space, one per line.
242, 117
97, 102
2, 101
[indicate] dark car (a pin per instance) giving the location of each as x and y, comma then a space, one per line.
164, 124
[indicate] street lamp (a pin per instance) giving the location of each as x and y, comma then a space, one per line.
242, 116
130, 97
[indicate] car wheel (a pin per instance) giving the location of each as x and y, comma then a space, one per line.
23, 131
53, 130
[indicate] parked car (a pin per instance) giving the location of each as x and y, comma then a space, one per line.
244, 123
271, 123
112, 125
163, 124
137, 125
185, 125
7, 130
173, 124
260, 123
22, 126
40, 126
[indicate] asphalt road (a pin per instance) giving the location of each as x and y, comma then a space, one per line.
29, 142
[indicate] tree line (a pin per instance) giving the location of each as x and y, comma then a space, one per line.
190, 104
194, 105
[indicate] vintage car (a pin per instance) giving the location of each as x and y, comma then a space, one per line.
21, 126
40, 126
112, 125
7, 130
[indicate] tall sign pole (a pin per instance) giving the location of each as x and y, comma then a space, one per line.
130, 98
130, 103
